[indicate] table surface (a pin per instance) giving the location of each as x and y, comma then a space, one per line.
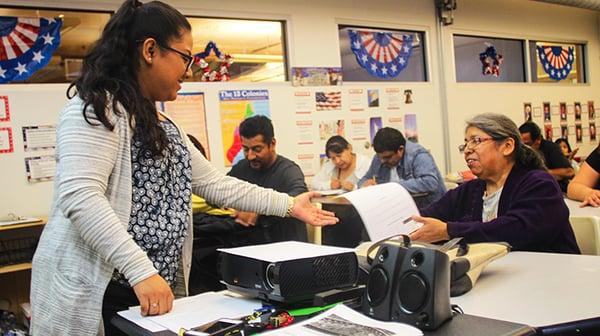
536, 289
576, 211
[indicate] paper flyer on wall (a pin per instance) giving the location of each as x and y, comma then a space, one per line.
393, 98
385, 209
235, 106
6, 140
40, 168
306, 132
303, 102
373, 98
42, 137
344, 321
356, 100
410, 127
359, 129
4, 110
395, 122
307, 164
189, 112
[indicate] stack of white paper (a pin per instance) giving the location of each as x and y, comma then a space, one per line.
385, 209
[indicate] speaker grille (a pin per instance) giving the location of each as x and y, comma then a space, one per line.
326, 273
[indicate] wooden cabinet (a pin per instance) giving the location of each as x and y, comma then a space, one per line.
16, 277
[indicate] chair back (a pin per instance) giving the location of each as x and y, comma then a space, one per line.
587, 233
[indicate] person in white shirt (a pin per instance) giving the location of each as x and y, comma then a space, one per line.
343, 169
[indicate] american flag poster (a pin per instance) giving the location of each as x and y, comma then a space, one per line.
329, 100
26, 45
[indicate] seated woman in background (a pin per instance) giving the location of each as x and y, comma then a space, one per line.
585, 186
568, 153
343, 169
513, 200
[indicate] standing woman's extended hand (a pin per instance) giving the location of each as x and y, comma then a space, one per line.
155, 295
307, 212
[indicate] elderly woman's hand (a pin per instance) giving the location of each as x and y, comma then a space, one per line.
433, 230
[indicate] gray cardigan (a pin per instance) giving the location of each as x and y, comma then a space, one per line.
86, 235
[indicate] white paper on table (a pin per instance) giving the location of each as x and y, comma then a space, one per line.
133, 315
331, 192
194, 311
341, 320
288, 250
385, 209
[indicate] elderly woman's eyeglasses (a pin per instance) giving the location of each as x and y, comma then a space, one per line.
187, 59
473, 142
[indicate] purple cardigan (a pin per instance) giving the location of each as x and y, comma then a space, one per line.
532, 215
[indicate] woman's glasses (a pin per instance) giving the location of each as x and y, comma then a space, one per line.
188, 59
472, 143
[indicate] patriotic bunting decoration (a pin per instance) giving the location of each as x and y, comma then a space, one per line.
556, 60
490, 61
26, 45
213, 63
382, 54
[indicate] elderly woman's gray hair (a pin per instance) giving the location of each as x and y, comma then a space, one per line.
500, 127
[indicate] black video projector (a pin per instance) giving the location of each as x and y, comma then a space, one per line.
287, 279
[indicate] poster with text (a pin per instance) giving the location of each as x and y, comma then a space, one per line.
235, 106
303, 102
359, 129
305, 131
316, 76
189, 112
40, 168
307, 164
356, 100
4, 110
410, 127
393, 98
6, 140
41, 137
395, 122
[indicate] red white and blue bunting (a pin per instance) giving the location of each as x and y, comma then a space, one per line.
26, 45
556, 60
382, 54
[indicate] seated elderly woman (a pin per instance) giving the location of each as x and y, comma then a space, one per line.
585, 186
343, 169
513, 199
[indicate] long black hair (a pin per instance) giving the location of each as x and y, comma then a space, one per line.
110, 69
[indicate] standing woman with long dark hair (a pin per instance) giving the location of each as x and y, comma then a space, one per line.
119, 229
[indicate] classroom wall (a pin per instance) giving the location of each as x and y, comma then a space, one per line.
520, 20
313, 41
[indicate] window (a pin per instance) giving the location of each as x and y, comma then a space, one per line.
557, 62
78, 32
256, 47
488, 59
382, 55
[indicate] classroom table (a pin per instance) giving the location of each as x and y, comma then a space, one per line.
536, 289
576, 211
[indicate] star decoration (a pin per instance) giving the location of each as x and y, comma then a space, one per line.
48, 39
37, 56
2, 72
21, 68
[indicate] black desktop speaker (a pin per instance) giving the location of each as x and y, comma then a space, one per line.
421, 291
377, 299
410, 285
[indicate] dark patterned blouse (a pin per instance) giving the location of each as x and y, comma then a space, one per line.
161, 198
